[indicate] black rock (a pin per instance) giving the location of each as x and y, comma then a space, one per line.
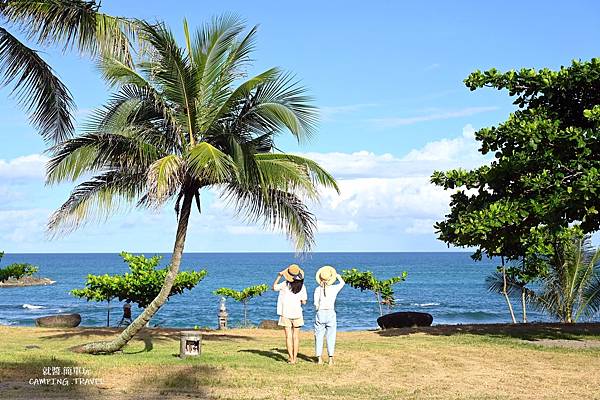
404, 319
59, 321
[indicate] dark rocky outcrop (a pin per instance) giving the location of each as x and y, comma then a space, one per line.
59, 321
268, 324
404, 319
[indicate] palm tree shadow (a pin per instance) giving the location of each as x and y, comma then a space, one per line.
148, 345
277, 354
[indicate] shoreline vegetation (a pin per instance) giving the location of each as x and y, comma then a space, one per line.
438, 362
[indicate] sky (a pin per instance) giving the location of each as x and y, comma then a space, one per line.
387, 77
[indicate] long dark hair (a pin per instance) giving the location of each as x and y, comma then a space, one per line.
296, 285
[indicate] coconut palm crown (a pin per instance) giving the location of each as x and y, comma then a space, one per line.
184, 119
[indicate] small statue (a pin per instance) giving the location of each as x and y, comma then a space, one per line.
223, 314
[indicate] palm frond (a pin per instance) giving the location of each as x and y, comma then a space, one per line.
74, 24
98, 198
317, 174
97, 152
171, 70
165, 177
210, 165
45, 98
277, 210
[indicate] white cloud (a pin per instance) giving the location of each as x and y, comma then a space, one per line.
384, 192
327, 227
31, 167
23, 225
420, 227
391, 122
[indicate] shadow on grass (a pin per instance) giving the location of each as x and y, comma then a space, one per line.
191, 381
156, 334
35, 377
530, 331
277, 354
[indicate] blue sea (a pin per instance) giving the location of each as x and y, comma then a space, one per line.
450, 286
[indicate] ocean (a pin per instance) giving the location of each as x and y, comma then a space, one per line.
450, 286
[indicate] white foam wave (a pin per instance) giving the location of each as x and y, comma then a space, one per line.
32, 307
426, 304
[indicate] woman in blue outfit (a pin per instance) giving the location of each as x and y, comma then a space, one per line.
325, 320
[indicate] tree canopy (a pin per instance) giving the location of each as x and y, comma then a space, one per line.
545, 168
365, 280
140, 285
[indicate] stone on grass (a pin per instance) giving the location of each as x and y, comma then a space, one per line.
59, 321
404, 319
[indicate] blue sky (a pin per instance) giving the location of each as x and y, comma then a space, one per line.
387, 77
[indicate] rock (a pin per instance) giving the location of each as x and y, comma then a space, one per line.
26, 281
269, 324
59, 321
404, 319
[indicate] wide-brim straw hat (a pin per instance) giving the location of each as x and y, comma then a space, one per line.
326, 274
293, 273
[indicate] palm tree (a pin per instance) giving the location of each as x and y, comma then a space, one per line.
70, 23
571, 288
510, 285
182, 120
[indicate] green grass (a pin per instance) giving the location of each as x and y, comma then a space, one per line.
433, 363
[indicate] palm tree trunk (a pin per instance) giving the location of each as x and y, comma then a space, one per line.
245, 314
524, 305
133, 328
505, 293
379, 302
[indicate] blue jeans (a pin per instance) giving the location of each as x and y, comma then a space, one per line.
325, 326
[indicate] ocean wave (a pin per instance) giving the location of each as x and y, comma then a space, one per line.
425, 304
31, 306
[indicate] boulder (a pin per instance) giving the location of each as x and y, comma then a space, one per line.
59, 321
404, 319
268, 324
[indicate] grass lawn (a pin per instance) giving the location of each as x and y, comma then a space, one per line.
470, 362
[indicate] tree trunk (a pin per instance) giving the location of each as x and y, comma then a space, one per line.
524, 305
133, 328
379, 302
245, 314
505, 293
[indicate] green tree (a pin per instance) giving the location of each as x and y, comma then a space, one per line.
140, 285
100, 288
17, 271
68, 23
182, 121
383, 289
544, 172
243, 296
571, 288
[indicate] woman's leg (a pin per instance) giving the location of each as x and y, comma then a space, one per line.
319, 335
296, 334
289, 343
331, 335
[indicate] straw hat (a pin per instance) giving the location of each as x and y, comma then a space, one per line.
326, 274
293, 273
